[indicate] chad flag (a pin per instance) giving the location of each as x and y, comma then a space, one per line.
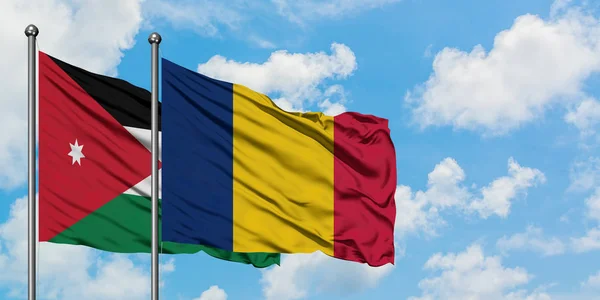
95, 164
243, 175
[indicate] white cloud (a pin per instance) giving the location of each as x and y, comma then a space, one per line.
586, 117
532, 239
68, 30
213, 293
202, 16
592, 204
533, 65
444, 189
414, 213
117, 278
559, 6
67, 271
334, 102
296, 77
332, 109
213, 18
589, 242
585, 174
588, 291
472, 275
302, 274
301, 11
261, 42
420, 211
427, 53
535, 295
593, 282
497, 196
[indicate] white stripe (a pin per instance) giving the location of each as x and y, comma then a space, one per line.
143, 135
143, 187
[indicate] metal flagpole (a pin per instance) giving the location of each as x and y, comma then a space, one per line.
31, 32
154, 39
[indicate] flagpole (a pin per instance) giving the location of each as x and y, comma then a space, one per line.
31, 32
154, 39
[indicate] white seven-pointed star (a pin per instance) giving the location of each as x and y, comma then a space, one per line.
76, 153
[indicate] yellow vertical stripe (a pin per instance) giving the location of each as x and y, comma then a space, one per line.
282, 177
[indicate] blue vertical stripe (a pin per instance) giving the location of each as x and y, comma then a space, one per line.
197, 152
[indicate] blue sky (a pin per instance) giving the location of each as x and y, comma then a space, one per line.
493, 109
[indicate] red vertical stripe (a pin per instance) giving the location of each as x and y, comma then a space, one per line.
364, 187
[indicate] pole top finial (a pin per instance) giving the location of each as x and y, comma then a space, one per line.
154, 38
31, 30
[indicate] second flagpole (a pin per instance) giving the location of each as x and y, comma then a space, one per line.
154, 39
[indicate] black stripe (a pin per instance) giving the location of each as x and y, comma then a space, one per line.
127, 103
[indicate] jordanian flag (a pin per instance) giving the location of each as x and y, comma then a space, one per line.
95, 165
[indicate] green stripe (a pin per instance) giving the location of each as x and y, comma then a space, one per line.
123, 225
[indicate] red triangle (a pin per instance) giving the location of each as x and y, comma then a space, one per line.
114, 159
